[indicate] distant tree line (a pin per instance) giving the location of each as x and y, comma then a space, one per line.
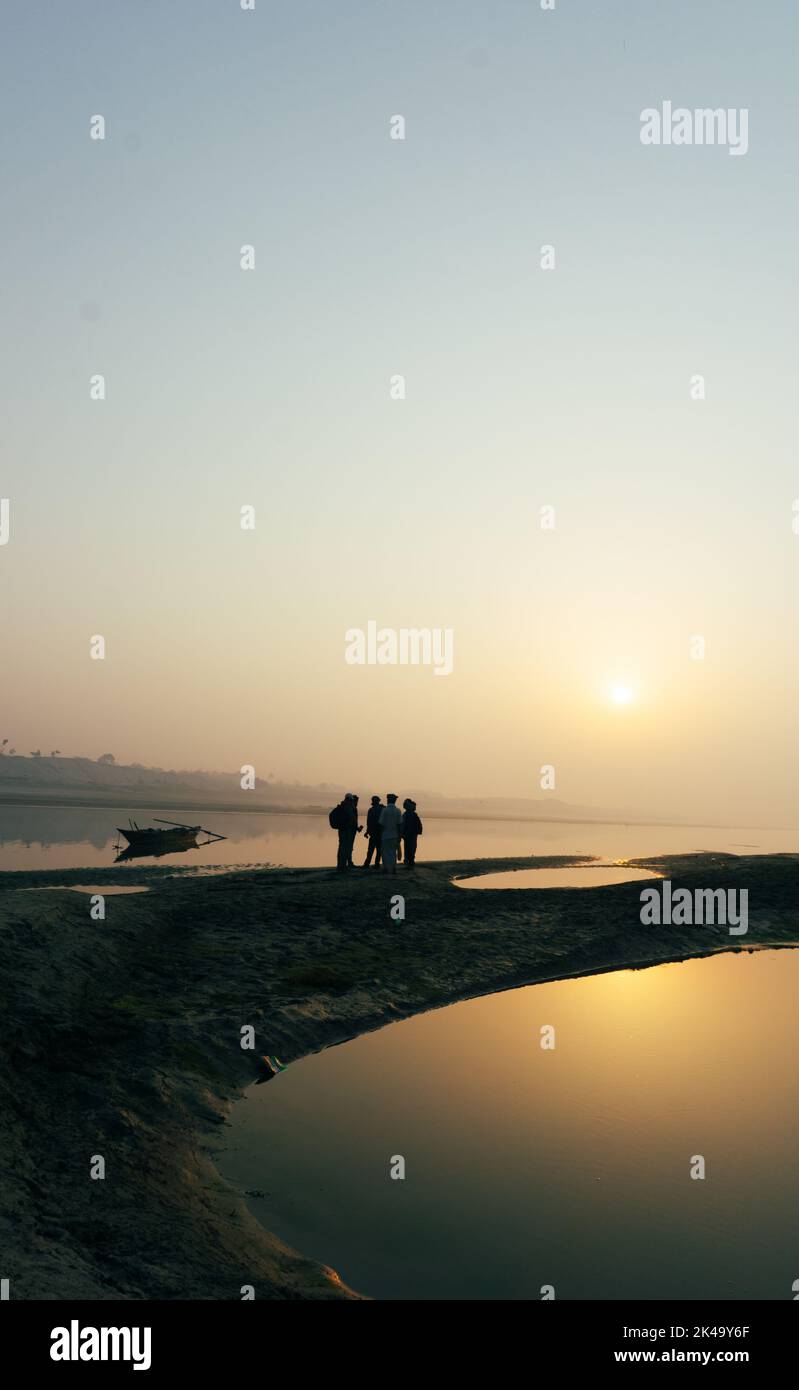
105, 758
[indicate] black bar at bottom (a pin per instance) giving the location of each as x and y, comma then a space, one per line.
379, 1341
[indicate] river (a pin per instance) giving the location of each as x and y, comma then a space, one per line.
51, 837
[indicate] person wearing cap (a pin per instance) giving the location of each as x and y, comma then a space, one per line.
411, 830
391, 825
373, 832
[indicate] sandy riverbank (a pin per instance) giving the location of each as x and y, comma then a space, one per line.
121, 1038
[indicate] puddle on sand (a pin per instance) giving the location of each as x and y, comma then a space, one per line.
584, 876
568, 1165
103, 888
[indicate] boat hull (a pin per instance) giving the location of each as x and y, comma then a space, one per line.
158, 839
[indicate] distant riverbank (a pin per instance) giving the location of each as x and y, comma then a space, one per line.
116, 801
122, 1037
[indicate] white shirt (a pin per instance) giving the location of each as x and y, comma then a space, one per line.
390, 821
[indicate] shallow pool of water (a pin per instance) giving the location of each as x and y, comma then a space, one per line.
527, 1166
105, 889
589, 876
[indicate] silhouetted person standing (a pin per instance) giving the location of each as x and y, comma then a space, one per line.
411, 830
356, 831
391, 825
374, 833
347, 826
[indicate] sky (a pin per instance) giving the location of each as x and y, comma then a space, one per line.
524, 388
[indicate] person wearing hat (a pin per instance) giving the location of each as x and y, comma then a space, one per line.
373, 832
411, 830
391, 825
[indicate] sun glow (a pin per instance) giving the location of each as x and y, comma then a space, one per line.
621, 694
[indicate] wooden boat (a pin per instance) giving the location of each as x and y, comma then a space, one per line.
154, 840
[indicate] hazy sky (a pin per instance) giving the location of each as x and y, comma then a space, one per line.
524, 388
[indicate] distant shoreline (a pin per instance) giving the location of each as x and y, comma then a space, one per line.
94, 802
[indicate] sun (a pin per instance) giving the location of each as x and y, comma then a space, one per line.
621, 694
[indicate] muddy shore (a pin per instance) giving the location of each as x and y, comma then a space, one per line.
121, 1037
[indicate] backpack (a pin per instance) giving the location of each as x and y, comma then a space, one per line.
335, 818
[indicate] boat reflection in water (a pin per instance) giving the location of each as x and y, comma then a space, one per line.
152, 842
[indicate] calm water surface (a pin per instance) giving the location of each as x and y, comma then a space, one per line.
593, 876
45, 837
527, 1167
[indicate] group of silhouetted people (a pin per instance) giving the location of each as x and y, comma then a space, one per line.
389, 830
